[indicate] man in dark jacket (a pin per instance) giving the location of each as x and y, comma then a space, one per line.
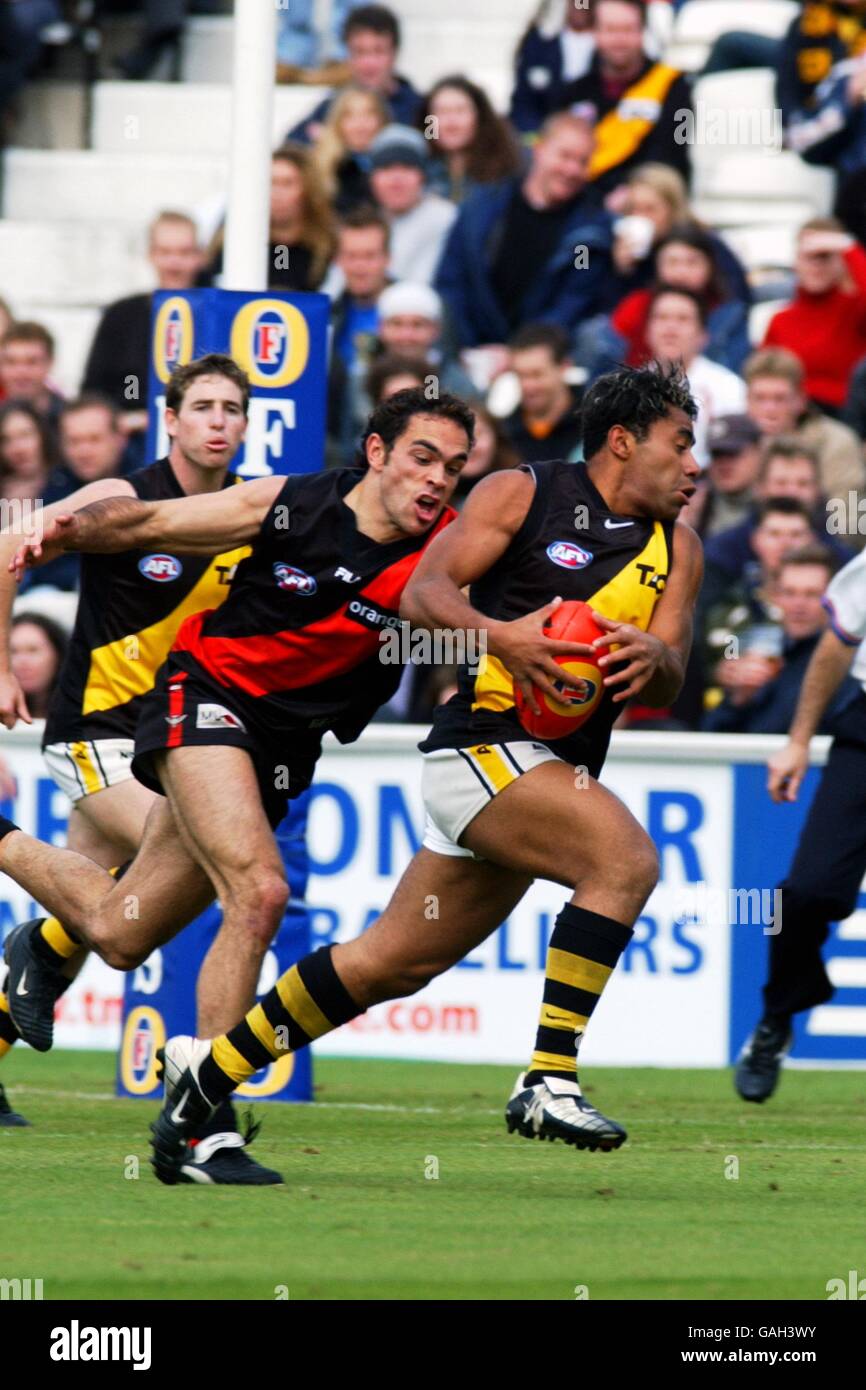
118, 364
531, 249
546, 63
372, 38
641, 109
546, 424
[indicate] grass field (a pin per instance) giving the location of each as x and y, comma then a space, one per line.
506, 1218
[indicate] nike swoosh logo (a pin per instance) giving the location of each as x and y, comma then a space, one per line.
615, 525
177, 1113
21, 984
175, 718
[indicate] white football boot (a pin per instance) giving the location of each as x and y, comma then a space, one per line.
556, 1109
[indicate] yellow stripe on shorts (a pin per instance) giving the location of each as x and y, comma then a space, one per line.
493, 765
93, 782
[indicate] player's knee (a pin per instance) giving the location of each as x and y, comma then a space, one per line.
643, 866
647, 866
119, 954
259, 907
408, 977
633, 872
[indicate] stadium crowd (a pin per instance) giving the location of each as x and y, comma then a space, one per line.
512, 259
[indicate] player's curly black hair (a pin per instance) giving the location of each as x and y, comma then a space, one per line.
634, 397
391, 417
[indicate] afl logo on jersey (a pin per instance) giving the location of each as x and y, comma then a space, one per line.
569, 555
172, 337
160, 568
271, 341
296, 581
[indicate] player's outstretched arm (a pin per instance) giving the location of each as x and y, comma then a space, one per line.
200, 525
828, 666
13, 705
461, 554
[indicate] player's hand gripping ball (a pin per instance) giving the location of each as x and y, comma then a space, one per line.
572, 622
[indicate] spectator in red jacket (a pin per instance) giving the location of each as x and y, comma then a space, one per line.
825, 324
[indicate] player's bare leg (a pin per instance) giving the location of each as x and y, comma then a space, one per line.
217, 806
402, 951
612, 864
106, 827
124, 921
441, 909
546, 824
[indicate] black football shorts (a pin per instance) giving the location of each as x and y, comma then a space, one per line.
188, 710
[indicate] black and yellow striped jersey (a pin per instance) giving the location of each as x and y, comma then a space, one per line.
569, 544
130, 607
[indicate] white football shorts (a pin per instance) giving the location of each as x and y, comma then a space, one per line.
81, 768
457, 783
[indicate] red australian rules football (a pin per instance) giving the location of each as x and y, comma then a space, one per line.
572, 622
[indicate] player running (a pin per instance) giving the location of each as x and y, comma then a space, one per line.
502, 808
130, 608
233, 727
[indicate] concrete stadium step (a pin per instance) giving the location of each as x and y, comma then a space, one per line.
71, 262
55, 185
735, 116
136, 118
517, 13
431, 48
740, 189
700, 22
770, 246
52, 117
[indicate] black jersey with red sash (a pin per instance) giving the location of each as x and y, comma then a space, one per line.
298, 640
569, 544
130, 608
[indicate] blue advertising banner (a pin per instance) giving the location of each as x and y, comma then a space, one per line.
688, 990
279, 339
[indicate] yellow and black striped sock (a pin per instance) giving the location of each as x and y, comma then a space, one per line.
308, 1001
583, 950
8, 1032
55, 943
